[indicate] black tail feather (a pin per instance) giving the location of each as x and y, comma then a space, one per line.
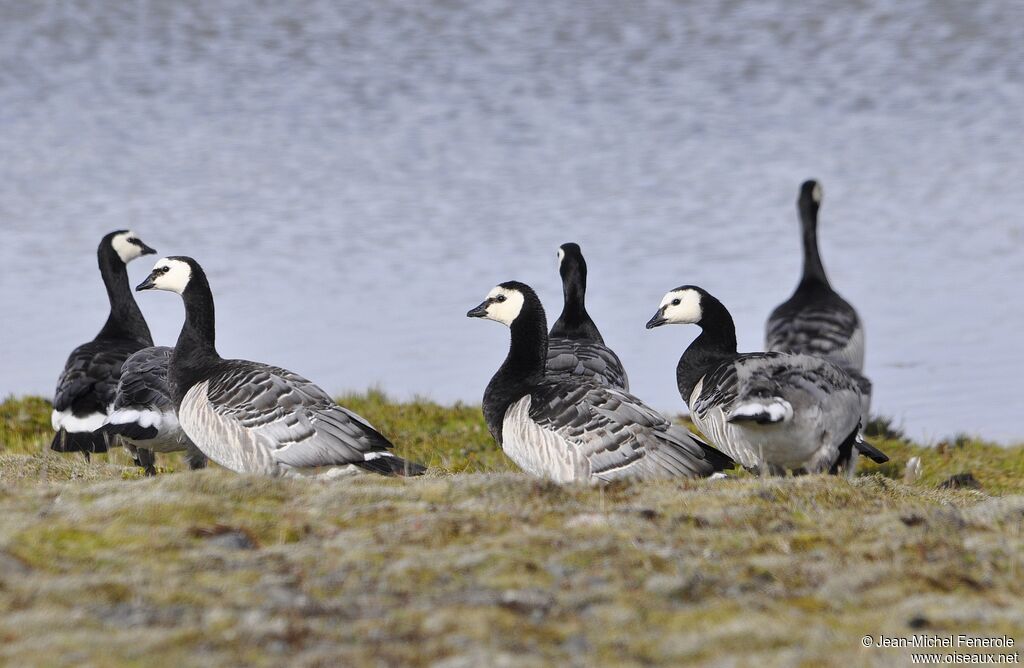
719, 460
392, 466
846, 454
871, 452
132, 430
80, 441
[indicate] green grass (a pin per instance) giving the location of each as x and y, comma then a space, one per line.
100, 566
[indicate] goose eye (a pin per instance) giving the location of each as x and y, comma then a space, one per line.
675, 302
499, 298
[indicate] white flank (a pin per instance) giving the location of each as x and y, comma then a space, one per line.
369, 456
540, 452
68, 422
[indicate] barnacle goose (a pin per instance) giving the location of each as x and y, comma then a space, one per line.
815, 320
143, 414
772, 411
256, 418
573, 429
87, 385
575, 346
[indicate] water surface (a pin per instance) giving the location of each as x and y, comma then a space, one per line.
355, 176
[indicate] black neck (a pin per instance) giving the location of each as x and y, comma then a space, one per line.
716, 344
522, 369
125, 320
574, 322
195, 350
814, 271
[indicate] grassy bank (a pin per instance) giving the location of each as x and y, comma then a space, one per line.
490, 567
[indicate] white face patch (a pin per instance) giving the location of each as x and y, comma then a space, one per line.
506, 305
175, 279
561, 257
123, 246
682, 307
816, 193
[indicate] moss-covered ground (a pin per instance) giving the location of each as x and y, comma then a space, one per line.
475, 564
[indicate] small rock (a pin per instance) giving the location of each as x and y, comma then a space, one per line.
233, 540
919, 622
671, 586
227, 537
526, 601
964, 480
587, 520
912, 519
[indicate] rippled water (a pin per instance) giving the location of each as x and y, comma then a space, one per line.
355, 176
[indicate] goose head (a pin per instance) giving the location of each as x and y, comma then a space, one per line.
504, 303
682, 306
170, 273
126, 245
810, 195
570, 257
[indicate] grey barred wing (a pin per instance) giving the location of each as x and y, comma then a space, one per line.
143, 380
618, 435
717, 389
89, 381
295, 422
767, 375
826, 328
568, 358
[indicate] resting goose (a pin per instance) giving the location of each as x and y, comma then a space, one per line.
143, 414
575, 346
572, 430
256, 418
815, 320
771, 412
86, 388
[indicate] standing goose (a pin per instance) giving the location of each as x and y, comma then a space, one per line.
143, 414
571, 430
771, 412
86, 388
255, 418
575, 346
815, 320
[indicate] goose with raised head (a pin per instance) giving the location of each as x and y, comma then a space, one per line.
574, 430
816, 320
575, 345
86, 388
143, 414
251, 417
771, 412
